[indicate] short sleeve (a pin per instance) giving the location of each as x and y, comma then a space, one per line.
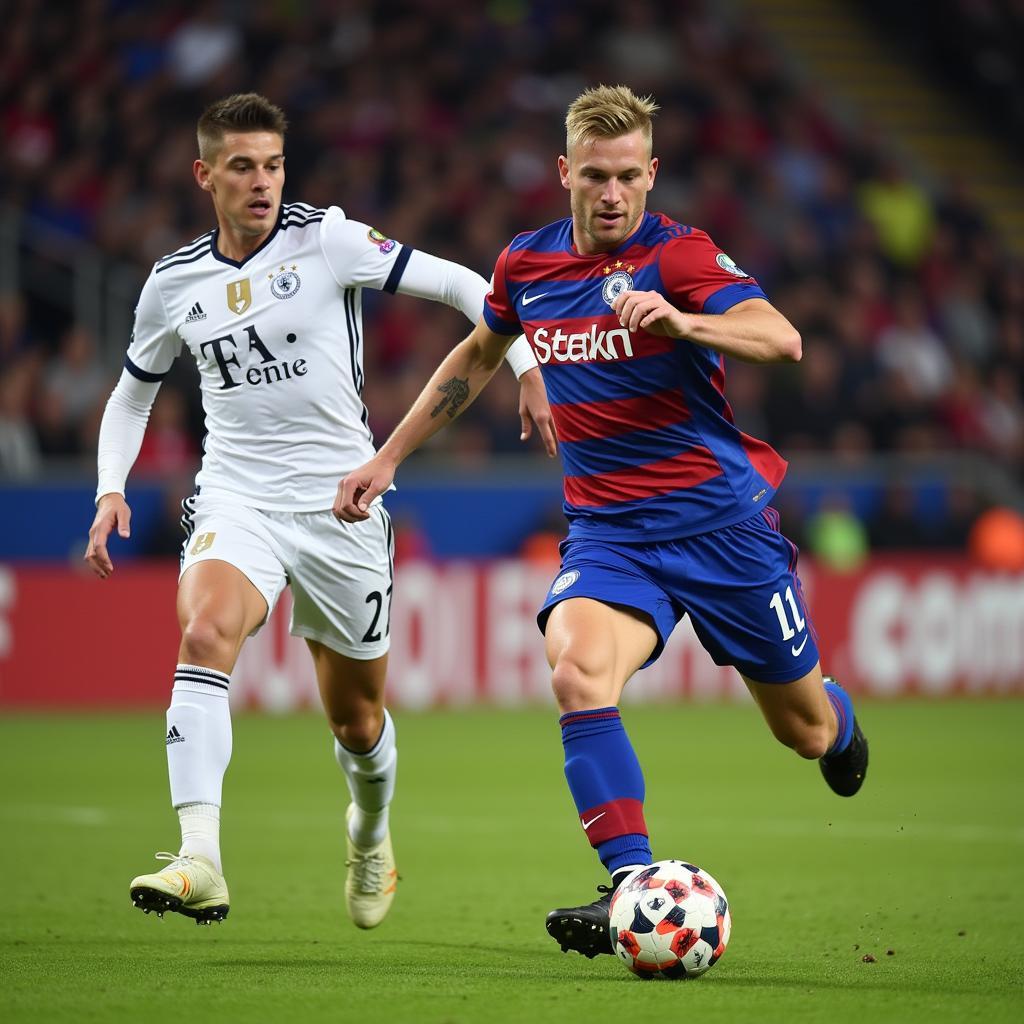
499, 313
700, 278
155, 344
360, 256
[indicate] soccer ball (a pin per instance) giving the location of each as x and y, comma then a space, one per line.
669, 919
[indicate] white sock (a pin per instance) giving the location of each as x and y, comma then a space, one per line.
371, 781
198, 751
200, 831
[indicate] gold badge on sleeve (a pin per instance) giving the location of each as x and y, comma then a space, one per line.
203, 542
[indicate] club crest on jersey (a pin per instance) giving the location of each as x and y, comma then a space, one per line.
565, 581
382, 242
239, 296
726, 263
615, 285
285, 284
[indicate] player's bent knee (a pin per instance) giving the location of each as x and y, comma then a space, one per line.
206, 642
574, 689
358, 732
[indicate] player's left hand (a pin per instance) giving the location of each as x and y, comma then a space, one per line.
535, 411
358, 490
651, 312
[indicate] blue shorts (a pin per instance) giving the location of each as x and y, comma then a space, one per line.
738, 585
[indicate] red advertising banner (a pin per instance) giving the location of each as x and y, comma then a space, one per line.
464, 632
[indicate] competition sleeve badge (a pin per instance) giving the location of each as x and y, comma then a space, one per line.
239, 296
382, 242
728, 264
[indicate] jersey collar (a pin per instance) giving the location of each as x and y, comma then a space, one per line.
630, 239
218, 255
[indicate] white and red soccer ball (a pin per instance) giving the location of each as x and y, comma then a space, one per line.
669, 919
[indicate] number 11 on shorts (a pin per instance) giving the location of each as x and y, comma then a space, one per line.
788, 632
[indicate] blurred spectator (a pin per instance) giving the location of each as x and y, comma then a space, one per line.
19, 452
953, 528
30, 127
900, 212
997, 540
896, 524
909, 349
1002, 415
75, 376
202, 46
805, 418
836, 536
14, 339
964, 316
57, 437
541, 545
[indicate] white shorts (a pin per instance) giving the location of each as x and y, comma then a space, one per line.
341, 574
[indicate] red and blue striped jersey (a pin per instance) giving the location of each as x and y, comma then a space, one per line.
648, 443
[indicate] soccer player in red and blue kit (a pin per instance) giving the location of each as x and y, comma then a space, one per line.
630, 316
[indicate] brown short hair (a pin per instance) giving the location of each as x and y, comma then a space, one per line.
243, 112
606, 112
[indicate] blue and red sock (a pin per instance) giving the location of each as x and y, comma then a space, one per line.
843, 707
607, 786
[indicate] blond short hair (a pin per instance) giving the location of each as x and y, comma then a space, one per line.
243, 112
606, 112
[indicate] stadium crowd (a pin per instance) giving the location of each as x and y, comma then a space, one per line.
437, 123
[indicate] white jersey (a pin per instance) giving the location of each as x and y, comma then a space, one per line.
278, 340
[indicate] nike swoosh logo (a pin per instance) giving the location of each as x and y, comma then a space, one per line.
796, 650
587, 824
527, 299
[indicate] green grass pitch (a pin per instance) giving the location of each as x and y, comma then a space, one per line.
922, 871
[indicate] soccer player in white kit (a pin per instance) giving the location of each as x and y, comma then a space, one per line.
269, 304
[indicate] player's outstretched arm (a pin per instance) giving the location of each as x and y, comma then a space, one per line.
430, 277
111, 511
453, 387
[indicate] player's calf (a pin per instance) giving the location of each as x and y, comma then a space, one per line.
845, 764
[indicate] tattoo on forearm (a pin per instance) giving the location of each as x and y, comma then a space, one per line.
455, 393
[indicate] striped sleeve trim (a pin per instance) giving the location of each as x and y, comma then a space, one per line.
143, 375
391, 284
496, 324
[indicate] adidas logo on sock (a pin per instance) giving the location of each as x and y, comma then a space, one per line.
195, 313
173, 736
